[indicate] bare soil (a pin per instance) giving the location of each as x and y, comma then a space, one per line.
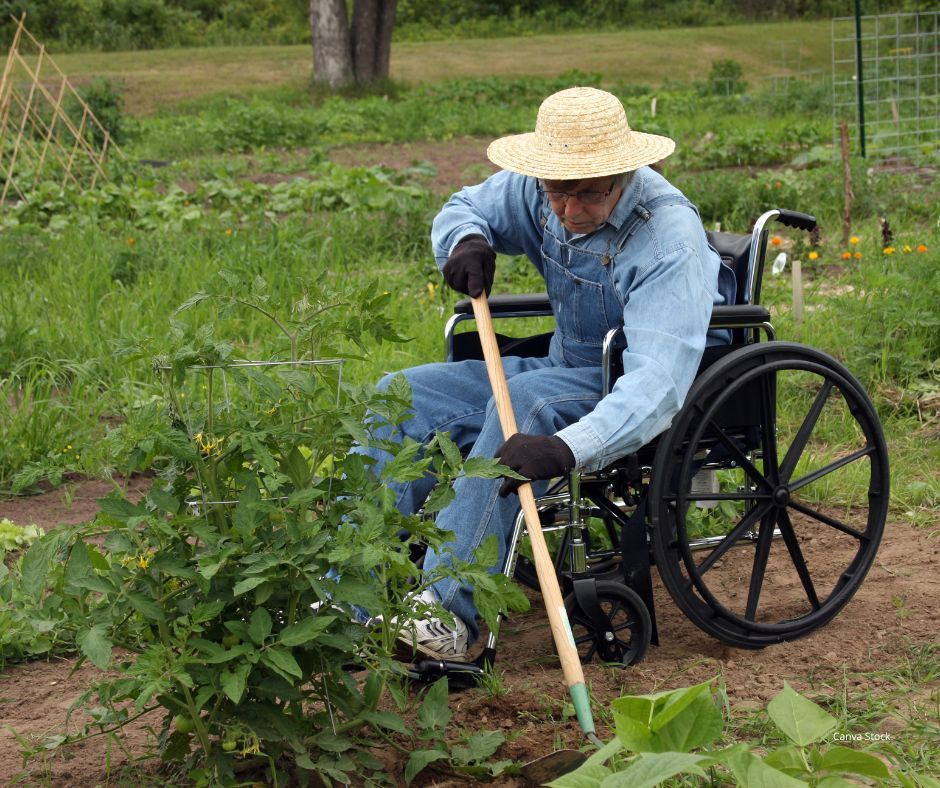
893, 612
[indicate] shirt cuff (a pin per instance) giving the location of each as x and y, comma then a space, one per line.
585, 445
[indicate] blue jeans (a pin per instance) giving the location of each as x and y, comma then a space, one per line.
456, 398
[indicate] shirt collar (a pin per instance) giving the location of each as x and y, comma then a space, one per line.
628, 200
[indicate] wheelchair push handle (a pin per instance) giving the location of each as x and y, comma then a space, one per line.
544, 566
801, 221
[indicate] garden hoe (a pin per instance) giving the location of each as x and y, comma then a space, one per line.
559, 762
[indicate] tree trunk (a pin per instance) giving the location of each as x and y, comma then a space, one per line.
373, 21
330, 36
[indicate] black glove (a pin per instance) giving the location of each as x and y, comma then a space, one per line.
471, 266
535, 457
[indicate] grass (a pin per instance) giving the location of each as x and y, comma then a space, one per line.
158, 78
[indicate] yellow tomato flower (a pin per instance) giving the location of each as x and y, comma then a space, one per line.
854, 240
143, 561
814, 255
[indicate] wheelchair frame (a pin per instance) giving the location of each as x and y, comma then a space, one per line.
648, 506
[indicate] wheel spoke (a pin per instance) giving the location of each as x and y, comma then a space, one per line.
825, 518
768, 428
733, 536
832, 467
796, 555
761, 554
802, 436
739, 456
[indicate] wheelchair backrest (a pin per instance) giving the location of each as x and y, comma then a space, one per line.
734, 251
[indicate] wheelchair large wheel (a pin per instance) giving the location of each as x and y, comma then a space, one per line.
769, 494
618, 632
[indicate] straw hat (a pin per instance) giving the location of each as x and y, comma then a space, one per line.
579, 133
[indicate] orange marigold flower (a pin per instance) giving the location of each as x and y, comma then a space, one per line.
846, 255
776, 240
814, 255
921, 247
889, 250
854, 240
858, 255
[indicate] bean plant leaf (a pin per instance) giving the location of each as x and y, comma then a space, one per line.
845, 759
698, 725
589, 775
748, 769
798, 718
651, 769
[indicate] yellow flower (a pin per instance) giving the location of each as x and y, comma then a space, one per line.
907, 248
228, 231
846, 255
776, 240
889, 250
432, 290
814, 255
921, 247
858, 255
854, 240
143, 561
131, 241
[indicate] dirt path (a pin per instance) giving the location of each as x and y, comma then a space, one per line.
894, 611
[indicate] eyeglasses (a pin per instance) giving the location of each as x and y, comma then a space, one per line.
584, 197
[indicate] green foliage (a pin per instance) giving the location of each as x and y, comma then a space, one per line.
106, 103
674, 733
235, 588
726, 78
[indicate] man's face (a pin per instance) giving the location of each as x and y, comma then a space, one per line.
582, 206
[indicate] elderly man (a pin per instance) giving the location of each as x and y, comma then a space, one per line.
617, 245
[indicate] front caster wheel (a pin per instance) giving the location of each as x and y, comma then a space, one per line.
617, 631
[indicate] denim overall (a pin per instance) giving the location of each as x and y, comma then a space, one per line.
548, 394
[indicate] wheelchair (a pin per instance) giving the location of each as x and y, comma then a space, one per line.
761, 507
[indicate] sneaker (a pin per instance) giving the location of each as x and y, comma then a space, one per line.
431, 637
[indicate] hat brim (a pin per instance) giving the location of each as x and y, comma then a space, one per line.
521, 153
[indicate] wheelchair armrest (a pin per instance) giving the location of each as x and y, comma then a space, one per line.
739, 316
535, 304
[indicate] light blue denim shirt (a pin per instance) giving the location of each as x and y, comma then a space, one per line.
649, 269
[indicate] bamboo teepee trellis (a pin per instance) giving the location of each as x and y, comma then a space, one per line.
46, 128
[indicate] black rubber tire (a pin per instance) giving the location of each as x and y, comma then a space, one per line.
627, 632
774, 512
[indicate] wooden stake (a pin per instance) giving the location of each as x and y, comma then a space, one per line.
797, 282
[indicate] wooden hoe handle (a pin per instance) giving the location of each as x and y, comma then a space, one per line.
544, 568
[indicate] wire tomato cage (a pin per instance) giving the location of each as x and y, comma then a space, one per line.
250, 418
